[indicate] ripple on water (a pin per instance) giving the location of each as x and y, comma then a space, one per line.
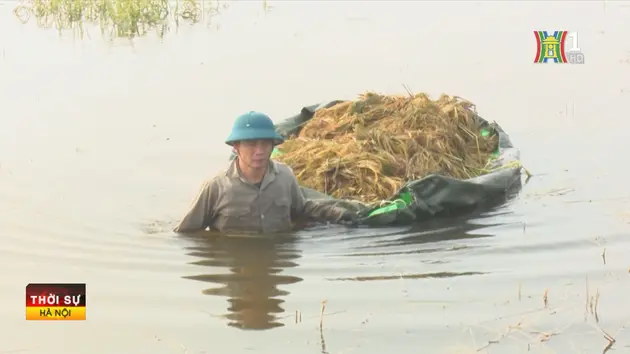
257, 275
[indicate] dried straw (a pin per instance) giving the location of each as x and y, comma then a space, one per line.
367, 149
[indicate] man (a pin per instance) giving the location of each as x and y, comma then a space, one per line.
255, 194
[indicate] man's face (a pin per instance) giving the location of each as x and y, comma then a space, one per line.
255, 153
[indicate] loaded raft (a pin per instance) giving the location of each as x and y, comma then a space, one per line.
400, 159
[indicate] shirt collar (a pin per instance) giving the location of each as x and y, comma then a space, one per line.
270, 175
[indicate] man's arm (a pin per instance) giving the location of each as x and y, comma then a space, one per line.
302, 207
201, 213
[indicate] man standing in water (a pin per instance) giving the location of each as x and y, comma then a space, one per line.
255, 194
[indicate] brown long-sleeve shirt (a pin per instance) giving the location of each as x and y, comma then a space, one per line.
229, 203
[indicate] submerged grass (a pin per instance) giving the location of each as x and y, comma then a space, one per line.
368, 148
116, 18
540, 338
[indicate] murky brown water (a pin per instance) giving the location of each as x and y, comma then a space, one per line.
102, 147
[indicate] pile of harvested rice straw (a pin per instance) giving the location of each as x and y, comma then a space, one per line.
367, 149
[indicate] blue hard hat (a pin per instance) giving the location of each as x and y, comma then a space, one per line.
254, 126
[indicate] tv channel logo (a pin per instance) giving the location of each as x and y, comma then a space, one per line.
557, 47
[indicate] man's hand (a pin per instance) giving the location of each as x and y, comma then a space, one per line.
349, 217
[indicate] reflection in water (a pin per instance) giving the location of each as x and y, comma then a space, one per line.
252, 284
428, 243
432, 232
456, 227
254, 264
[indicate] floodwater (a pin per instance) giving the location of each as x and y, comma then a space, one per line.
103, 146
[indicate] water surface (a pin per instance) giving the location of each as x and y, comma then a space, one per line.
102, 147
